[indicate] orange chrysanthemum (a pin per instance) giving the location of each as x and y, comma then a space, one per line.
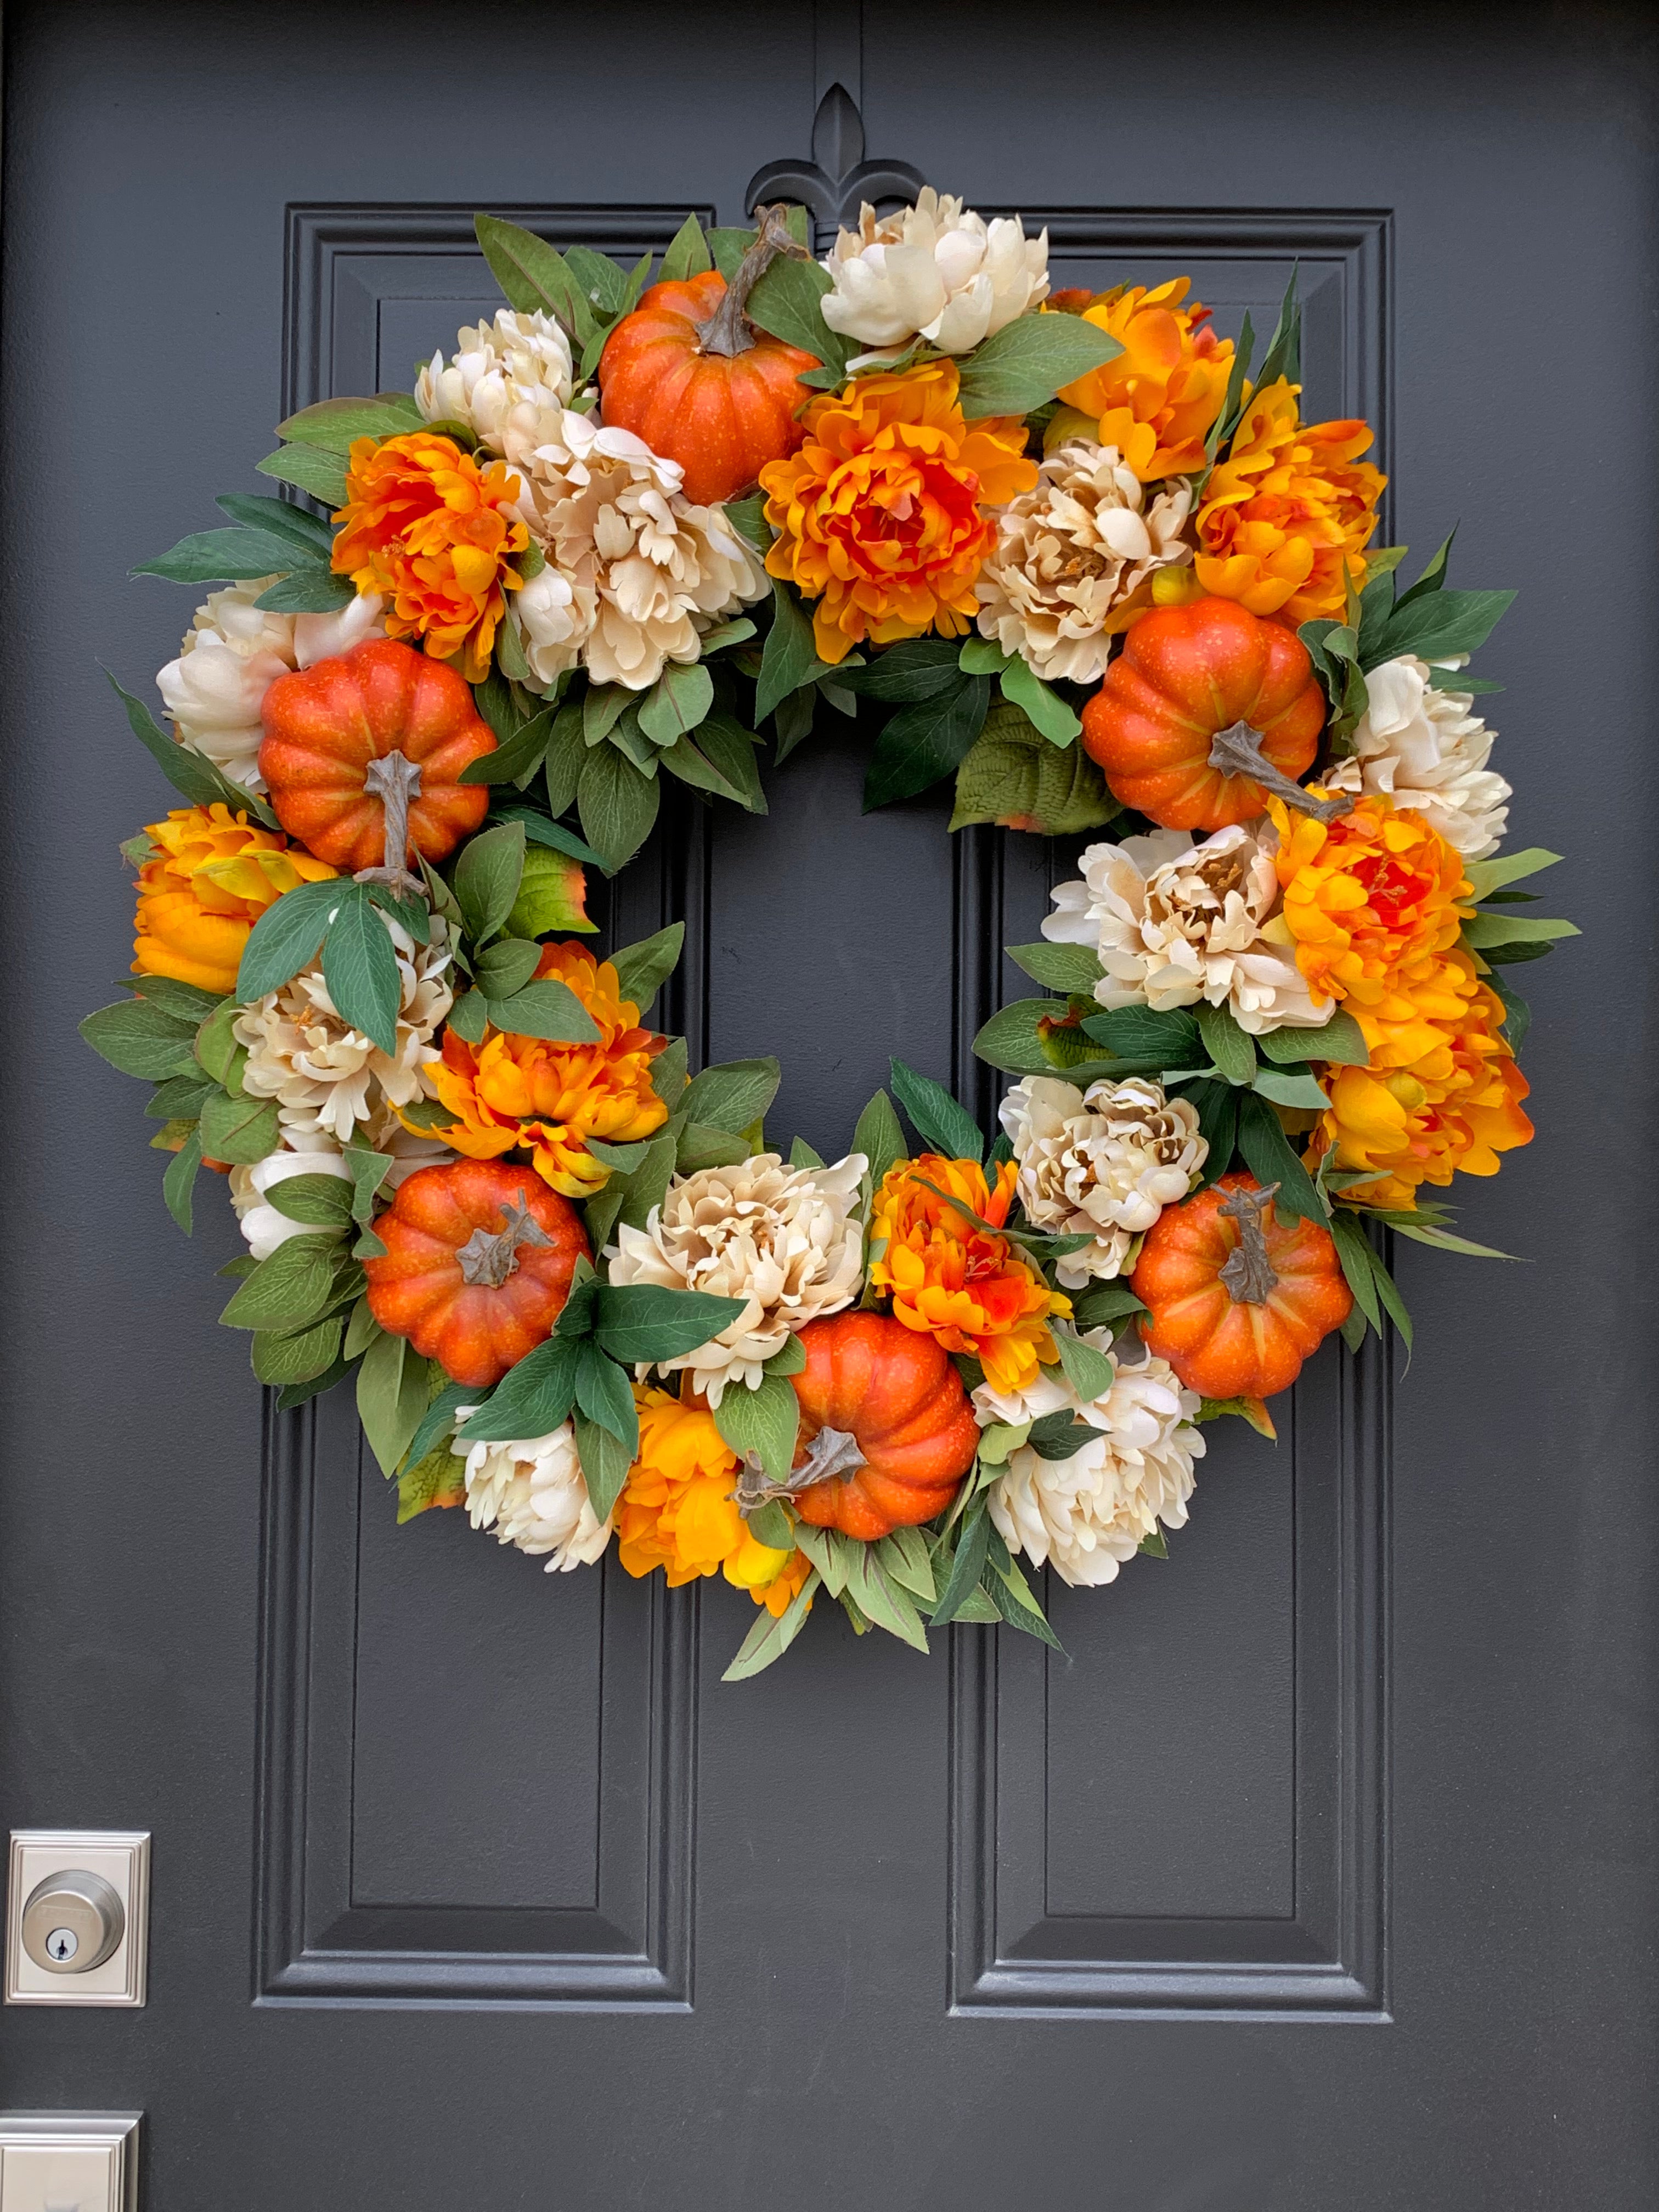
881, 514
949, 1278
512, 1090
1157, 399
212, 875
1371, 901
1287, 515
429, 529
676, 1511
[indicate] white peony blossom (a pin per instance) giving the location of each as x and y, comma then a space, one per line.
1075, 558
1172, 923
1085, 1515
232, 654
513, 376
1102, 1163
308, 1150
784, 1240
935, 270
534, 1496
324, 1074
1426, 750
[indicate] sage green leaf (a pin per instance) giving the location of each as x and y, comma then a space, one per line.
790, 1358
881, 1600
943, 1125
642, 968
1268, 1155
1048, 712
531, 1398
829, 1552
761, 1422
1013, 776
922, 743
487, 877
624, 1158
312, 590
982, 656
309, 469
505, 966
648, 1183
1486, 876
1026, 363
546, 1009
217, 1050
678, 700
688, 254
727, 633
880, 1137
769, 1639
1340, 1039
801, 1154
239, 1130
180, 1179
290, 1289
469, 1015
517, 758
311, 539
770, 1525
1103, 1302
1290, 1088
747, 518
787, 302
668, 1073
732, 1094
1009, 1591
191, 774
1425, 1233
605, 1463
1088, 1370
215, 556
968, 1561
285, 937
645, 1322
562, 764
182, 1000
1441, 625
1065, 968
617, 806
321, 1202
534, 276
1154, 1546
730, 750
439, 1421
703, 1145
605, 1396
1013, 1041
337, 424
360, 967
692, 765
789, 658
361, 1330
1354, 1251
604, 706
286, 1357
1507, 928
601, 278
1229, 1048
904, 1557
392, 1399
140, 1039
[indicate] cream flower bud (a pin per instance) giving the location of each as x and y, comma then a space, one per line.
1424, 748
534, 1496
513, 376
784, 1240
935, 270
1102, 1163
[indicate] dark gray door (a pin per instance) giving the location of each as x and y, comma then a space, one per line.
1321, 1873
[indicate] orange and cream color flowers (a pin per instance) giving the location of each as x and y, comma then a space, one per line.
211, 874
678, 1512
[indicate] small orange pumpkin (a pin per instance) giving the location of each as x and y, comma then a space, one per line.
691, 375
884, 1408
477, 1266
1186, 674
1237, 1299
365, 737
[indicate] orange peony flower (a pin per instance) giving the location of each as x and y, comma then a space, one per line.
1287, 515
513, 1090
949, 1278
882, 513
1157, 399
425, 527
212, 876
676, 1511
1371, 901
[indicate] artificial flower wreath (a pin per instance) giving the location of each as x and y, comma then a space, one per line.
1103, 578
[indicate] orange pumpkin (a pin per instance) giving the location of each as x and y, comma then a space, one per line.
477, 1266
1184, 674
354, 740
691, 375
1237, 1299
882, 1405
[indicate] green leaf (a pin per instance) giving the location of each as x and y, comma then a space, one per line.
1217, 1124
763, 1423
140, 1039
216, 1047
1393, 1304
676, 702
623, 1157
1088, 1370
604, 706
747, 518
881, 1600
534, 277
769, 1639
286, 937
648, 1183
732, 1094
644, 968
791, 1356
336, 424
601, 278
730, 750
392, 1399
1154, 1546
1441, 625
1047, 711
279, 518
727, 633
693, 766
1064, 968
943, 1125
880, 1137
922, 743
668, 1073
287, 1357
360, 967
516, 758
1141, 1033
1354, 1251
829, 1552
1340, 1039
439, 1420
1011, 1593
289, 1289
1102, 1303
487, 878
546, 1009
1013, 1039
605, 1396
436, 1479
214, 556
1290, 1090
314, 590
1014, 776
770, 1525
321, 1202
1027, 361
191, 774
606, 1460
239, 1130
1486, 876
1443, 1241
1518, 1014
645, 1322
529, 1401
309, 469
1229, 1048
1059, 1436
1506, 928
617, 806
967, 1565
1269, 1158
786, 301
505, 966
789, 658
180, 1179
703, 1145
793, 720
915, 670
688, 254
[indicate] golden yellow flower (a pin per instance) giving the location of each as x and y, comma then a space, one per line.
434, 534
211, 877
949, 1278
1288, 514
1157, 399
881, 514
511, 1090
676, 1511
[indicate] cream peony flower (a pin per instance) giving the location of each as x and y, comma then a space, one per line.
232, 654
308, 1150
935, 270
513, 376
636, 572
1085, 1515
1103, 1162
784, 1240
325, 1075
1425, 749
1075, 558
1173, 923
534, 1495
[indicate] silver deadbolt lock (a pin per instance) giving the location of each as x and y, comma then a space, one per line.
72, 1922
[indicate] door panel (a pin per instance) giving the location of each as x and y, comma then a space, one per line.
1319, 1871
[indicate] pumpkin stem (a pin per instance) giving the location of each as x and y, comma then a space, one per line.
727, 330
831, 1452
1248, 1274
488, 1260
1237, 750
394, 779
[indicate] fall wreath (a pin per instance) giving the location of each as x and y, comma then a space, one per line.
1100, 572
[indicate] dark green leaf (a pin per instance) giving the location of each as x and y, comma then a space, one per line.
505, 966
1105, 1302
533, 275
942, 1124
770, 1525
966, 1567
180, 1179
686, 761
289, 1289
191, 774
289, 1357
1013, 776
546, 1009
605, 1396
786, 301
915, 669
732, 1094
790, 1360
239, 1130
1268, 1155
439, 1421
729, 749
643, 968
286, 937
793, 720
487, 877
540, 830
1354, 1252
1059, 1436
515, 759
180, 1099
1009, 1593
747, 518
1217, 1124
922, 743
1229, 1048
617, 806
360, 967
789, 658
1026, 363
531, 1398
880, 1137
314, 590
605, 1463
1141, 1033
1442, 623
1013, 1040
314, 539
646, 1323
688, 254
676, 702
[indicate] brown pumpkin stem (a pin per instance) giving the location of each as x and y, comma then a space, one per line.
831, 1452
1248, 1274
727, 330
1237, 750
488, 1260
394, 779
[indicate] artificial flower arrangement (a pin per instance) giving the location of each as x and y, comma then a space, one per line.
1100, 575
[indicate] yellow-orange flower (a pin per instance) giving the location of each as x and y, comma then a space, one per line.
881, 513
676, 1511
949, 1278
1287, 515
212, 875
511, 1090
1157, 399
1443, 1092
429, 530
1371, 900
